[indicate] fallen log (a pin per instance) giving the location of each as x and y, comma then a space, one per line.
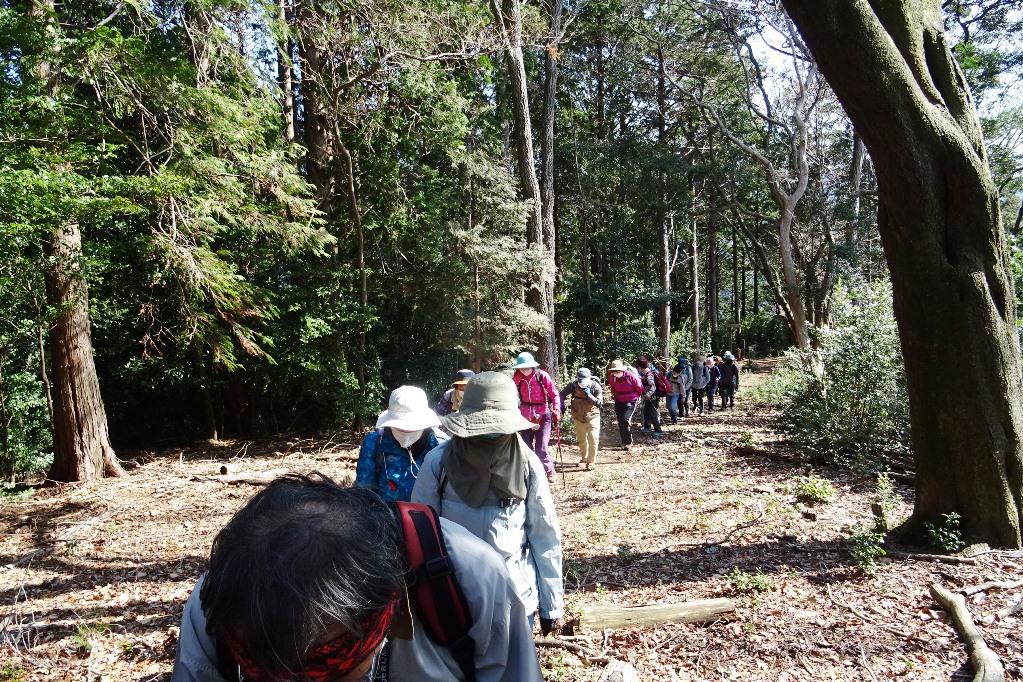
986, 666
940, 558
993, 585
598, 617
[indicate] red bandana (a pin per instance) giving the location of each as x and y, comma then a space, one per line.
329, 660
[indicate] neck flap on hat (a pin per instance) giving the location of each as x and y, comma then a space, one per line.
481, 463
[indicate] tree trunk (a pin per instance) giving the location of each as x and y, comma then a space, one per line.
855, 185
315, 125
284, 74
540, 285
360, 265
790, 281
713, 276
81, 443
694, 278
894, 73
664, 266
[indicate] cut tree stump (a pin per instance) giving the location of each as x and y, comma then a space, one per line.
986, 666
598, 617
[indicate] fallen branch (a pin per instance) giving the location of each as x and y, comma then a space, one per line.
941, 558
588, 655
599, 617
1012, 609
244, 478
986, 666
993, 585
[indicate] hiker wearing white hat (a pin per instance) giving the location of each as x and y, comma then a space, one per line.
391, 455
539, 403
488, 481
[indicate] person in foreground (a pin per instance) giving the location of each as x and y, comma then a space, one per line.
488, 481
307, 582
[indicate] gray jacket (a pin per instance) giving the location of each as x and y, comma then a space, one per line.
527, 534
682, 382
701, 376
504, 643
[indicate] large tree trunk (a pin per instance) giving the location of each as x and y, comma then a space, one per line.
540, 287
284, 74
547, 194
891, 67
319, 152
81, 443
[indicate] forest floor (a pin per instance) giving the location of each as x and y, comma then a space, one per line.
93, 576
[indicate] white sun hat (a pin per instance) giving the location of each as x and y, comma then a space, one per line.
408, 409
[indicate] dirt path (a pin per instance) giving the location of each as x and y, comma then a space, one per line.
93, 576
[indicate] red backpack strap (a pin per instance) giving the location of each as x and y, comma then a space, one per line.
433, 590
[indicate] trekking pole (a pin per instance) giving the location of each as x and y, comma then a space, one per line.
561, 461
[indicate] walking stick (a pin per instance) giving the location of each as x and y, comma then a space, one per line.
561, 461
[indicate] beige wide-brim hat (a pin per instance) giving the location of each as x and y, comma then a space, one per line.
617, 366
408, 409
490, 405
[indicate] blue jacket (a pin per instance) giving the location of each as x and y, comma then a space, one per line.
401, 466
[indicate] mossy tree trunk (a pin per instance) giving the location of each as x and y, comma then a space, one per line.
890, 65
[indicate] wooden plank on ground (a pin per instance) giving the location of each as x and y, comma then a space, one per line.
601, 616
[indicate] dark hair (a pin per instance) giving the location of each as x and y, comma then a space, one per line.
301, 559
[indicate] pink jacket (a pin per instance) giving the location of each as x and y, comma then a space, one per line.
536, 392
627, 388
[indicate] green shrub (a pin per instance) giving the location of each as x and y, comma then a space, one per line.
946, 535
814, 490
867, 546
765, 334
28, 433
746, 582
846, 402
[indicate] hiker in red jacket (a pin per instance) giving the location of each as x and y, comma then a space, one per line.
624, 383
539, 403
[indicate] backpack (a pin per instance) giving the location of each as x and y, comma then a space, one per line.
662, 384
433, 590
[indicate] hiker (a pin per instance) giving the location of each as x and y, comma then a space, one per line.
681, 382
701, 377
651, 399
486, 479
452, 398
729, 380
587, 397
713, 376
626, 388
538, 398
307, 581
391, 454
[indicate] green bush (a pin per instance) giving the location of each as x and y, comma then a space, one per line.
867, 546
814, 490
846, 401
946, 535
28, 441
746, 582
765, 335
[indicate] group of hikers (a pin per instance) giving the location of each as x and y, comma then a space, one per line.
437, 562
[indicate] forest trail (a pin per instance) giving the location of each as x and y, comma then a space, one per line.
93, 576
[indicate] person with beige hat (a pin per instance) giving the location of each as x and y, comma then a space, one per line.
488, 481
626, 387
